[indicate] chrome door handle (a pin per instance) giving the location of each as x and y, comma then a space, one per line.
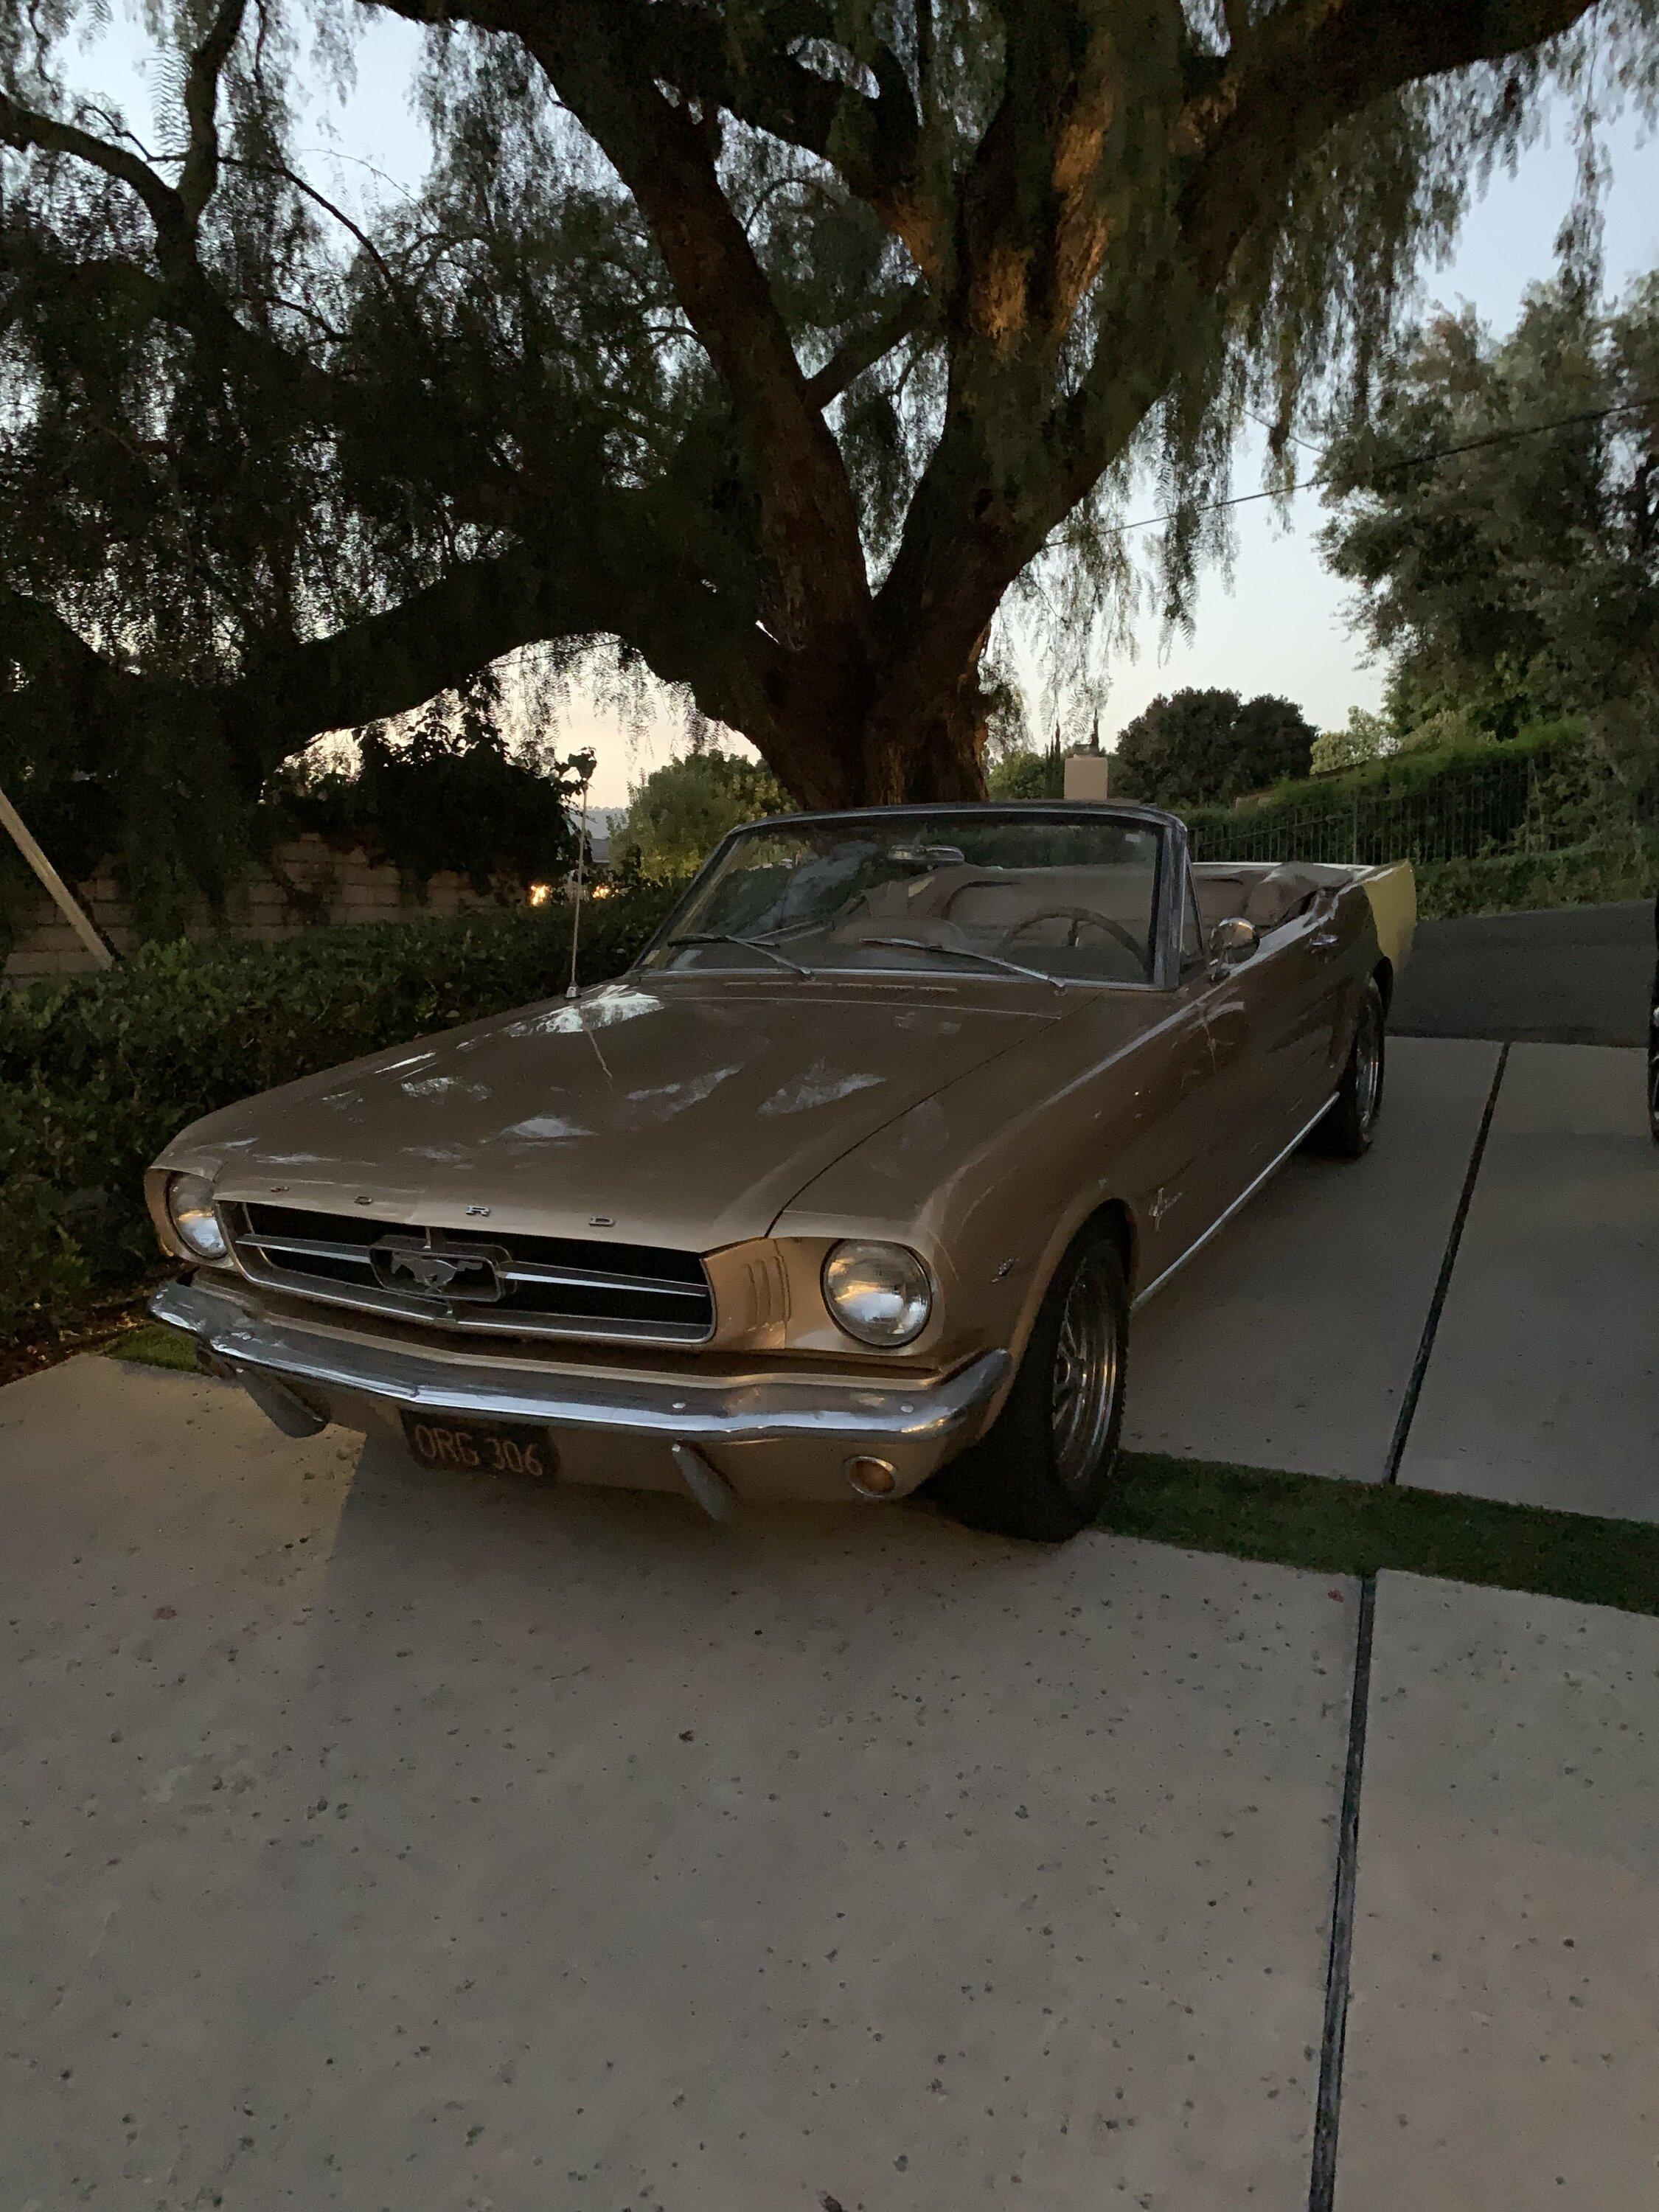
1323, 940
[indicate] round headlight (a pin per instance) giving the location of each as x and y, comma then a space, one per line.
190, 1209
879, 1293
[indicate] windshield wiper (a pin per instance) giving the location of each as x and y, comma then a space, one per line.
754, 944
967, 952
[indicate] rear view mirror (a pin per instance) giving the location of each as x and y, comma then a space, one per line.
1233, 939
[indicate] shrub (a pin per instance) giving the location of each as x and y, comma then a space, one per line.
1514, 883
1366, 737
1021, 774
97, 1073
1447, 802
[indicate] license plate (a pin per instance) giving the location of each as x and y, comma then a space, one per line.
481, 1447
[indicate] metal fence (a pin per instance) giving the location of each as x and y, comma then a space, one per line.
1487, 806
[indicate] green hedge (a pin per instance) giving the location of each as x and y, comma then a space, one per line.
1540, 790
97, 1073
1514, 883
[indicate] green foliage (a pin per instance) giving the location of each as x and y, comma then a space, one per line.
42, 1271
1199, 748
152, 1344
1544, 788
1365, 737
272, 468
450, 796
680, 812
1022, 774
1345, 1528
1517, 883
1519, 579
97, 1073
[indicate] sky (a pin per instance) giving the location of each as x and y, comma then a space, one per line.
1278, 625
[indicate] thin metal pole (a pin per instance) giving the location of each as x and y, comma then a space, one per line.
62, 897
577, 912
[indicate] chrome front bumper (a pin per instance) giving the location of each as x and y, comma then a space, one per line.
788, 1437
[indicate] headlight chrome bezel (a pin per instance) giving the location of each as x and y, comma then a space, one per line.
911, 1283
189, 1201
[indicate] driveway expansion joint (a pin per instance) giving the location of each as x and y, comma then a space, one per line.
1327, 2106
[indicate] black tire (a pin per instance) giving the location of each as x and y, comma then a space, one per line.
1345, 1132
1016, 1481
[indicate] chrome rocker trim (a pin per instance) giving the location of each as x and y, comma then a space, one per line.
258, 1350
1237, 1206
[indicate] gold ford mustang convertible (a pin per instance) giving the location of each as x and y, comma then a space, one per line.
851, 1181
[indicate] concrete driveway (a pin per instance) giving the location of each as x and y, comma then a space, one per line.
388, 1841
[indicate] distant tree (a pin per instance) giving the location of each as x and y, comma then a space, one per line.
1020, 771
1365, 737
1519, 579
1201, 747
680, 812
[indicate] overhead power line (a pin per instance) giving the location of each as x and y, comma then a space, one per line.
1394, 468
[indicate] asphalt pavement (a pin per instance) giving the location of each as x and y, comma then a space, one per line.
1573, 975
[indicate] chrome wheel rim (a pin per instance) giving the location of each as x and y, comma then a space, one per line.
1085, 1376
1367, 1063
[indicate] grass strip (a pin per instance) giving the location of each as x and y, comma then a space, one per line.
1331, 1526
152, 1344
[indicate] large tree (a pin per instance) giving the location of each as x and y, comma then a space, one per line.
1518, 577
771, 340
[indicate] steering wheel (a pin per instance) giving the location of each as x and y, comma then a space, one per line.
1079, 916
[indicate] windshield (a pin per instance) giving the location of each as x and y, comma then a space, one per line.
1061, 899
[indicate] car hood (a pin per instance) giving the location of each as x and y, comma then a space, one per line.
685, 1113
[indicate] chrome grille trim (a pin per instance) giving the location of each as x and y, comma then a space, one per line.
665, 1299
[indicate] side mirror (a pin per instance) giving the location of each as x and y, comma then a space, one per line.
1232, 940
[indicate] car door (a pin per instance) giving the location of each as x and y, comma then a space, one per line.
1266, 1014
1192, 1175
1306, 971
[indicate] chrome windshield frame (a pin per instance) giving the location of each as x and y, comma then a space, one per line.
1168, 887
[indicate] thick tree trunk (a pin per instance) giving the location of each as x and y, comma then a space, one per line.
836, 735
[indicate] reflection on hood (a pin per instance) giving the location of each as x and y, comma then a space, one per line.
705, 1109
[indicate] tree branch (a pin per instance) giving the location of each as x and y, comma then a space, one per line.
871, 141
596, 54
1310, 65
198, 304
865, 347
28, 131
199, 180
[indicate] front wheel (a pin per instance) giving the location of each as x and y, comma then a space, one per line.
1345, 1132
1043, 1469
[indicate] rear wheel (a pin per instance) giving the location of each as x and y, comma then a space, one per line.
1044, 1468
1346, 1131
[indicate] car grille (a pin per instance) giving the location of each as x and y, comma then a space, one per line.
548, 1285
